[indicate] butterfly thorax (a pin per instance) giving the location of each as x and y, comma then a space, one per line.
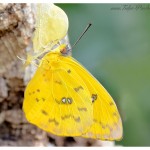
52, 59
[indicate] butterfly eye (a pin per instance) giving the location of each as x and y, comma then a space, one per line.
65, 50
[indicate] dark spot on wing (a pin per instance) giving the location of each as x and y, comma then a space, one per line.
58, 82
64, 100
114, 114
78, 88
109, 127
77, 119
65, 117
57, 101
54, 121
82, 109
111, 103
43, 99
44, 112
102, 125
38, 90
94, 97
69, 71
47, 60
37, 99
69, 100
95, 120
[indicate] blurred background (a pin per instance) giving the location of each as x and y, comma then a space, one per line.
116, 50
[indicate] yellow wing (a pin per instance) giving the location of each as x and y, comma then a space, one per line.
51, 26
107, 124
57, 100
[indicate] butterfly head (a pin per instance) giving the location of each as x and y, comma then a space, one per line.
64, 49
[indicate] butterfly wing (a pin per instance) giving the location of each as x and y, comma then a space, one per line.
58, 101
107, 124
51, 26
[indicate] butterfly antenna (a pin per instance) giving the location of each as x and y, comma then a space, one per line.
88, 26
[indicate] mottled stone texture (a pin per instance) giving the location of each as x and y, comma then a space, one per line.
16, 30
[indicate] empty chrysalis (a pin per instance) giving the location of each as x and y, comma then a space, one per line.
63, 98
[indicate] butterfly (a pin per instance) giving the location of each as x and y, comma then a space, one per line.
63, 98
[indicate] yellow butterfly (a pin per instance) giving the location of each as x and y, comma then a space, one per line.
63, 98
